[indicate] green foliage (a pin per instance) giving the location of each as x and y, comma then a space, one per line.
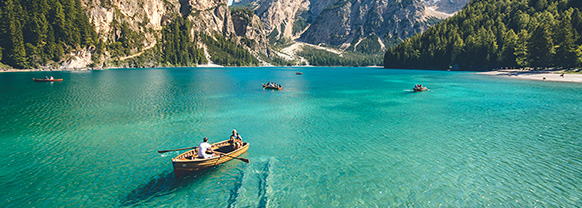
127, 42
277, 61
368, 45
497, 33
245, 13
227, 53
273, 36
302, 20
177, 45
34, 32
319, 57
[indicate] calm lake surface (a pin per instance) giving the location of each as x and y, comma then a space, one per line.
333, 137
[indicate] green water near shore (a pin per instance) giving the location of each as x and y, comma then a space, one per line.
345, 137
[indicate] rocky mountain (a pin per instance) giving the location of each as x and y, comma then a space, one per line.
102, 33
348, 23
96, 33
142, 21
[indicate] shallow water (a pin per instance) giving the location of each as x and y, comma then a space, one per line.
333, 137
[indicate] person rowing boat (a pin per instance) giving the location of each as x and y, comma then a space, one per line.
205, 150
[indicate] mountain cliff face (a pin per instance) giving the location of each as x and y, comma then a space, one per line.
130, 27
347, 23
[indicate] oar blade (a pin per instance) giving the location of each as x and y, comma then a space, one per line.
244, 160
164, 151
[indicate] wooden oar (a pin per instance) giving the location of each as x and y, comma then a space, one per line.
241, 159
163, 151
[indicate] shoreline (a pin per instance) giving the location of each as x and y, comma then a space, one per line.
52, 70
94, 69
543, 75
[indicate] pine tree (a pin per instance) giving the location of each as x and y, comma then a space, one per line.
15, 50
508, 54
58, 20
540, 47
566, 50
521, 50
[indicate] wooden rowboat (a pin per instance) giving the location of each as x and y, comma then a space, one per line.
188, 162
265, 86
47, 80
419, 89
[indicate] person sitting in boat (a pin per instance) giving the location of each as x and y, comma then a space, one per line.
205, 149
52, 78
235, 143
46, 77
236, 135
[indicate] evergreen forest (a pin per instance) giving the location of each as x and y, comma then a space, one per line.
318, 57
226, 52
41, 32
490, 34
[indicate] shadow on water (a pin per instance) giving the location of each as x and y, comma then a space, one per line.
168, 183
161, 185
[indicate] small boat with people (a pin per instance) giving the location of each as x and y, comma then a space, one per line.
224, 151
299, 73
273, 86
419, 88
47, 79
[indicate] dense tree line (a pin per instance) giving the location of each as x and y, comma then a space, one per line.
226, 52
489, 34
37, 32
177, 46
319, 57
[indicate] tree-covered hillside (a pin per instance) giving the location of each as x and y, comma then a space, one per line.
489, 34
37, 32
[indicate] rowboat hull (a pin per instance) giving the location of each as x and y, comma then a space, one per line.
47, 80
188, 163
272, 88
419, 89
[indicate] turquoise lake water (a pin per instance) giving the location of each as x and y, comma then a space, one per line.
333, 137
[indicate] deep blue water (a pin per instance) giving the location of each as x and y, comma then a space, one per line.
333, 137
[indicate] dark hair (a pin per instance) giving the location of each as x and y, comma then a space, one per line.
205, 139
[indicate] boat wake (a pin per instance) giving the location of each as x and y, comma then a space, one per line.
253, 188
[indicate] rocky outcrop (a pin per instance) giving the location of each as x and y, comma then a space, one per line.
251, 31
446, 6
138, 23
348, 22
142, 16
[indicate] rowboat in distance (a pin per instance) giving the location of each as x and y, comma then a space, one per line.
299, 73
272, 86
46, 80
189, 163
419, 88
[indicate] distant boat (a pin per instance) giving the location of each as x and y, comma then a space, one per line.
273, 87
47, 80
419, 88
299, 73
188, 162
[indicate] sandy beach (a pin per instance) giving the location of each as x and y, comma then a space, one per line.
552, 76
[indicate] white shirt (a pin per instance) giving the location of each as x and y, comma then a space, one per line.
202, 150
